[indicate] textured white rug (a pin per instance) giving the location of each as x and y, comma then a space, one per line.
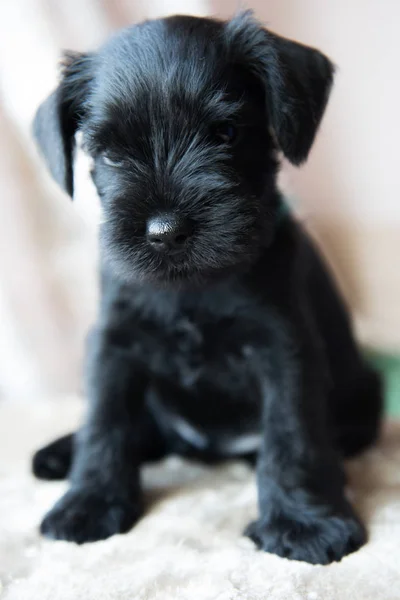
188, 546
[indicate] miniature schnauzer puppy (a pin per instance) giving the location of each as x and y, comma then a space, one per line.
220, 331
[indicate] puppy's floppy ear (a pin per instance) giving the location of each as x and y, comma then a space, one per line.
297, 81
58, 118
299, 96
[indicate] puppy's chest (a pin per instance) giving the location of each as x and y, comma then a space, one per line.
204, 384
195, 349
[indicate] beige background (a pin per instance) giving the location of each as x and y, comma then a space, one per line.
348, 193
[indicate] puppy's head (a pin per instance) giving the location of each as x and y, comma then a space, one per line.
183, 118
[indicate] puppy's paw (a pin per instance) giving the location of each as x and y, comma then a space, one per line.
48, 463
316, 540
89, 515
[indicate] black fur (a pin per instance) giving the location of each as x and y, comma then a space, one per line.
241, 333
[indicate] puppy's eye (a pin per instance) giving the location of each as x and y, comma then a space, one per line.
226, 133
111, 162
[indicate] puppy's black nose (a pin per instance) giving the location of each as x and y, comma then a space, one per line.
168, 232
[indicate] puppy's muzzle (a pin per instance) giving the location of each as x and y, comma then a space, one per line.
168, 233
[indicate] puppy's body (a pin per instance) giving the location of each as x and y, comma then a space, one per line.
220, 332
204, 351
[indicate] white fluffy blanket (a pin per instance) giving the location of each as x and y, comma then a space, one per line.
189, 544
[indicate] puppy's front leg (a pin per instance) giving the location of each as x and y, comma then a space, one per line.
304, 514
104, 497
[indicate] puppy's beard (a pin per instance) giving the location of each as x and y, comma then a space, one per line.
159, 274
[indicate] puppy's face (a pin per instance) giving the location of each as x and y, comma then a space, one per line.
183, 118
184, 162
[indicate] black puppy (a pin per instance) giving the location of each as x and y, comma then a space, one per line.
220, 331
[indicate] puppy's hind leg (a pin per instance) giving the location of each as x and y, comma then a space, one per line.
355, 399
357, 412
54, 460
